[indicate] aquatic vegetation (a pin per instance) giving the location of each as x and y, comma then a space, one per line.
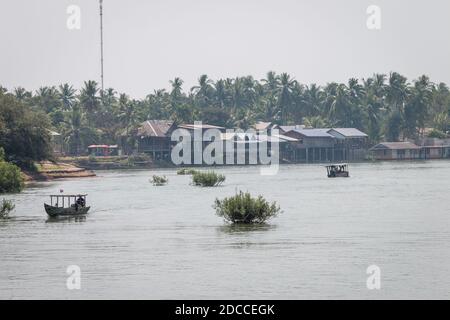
207, 179
245, 209
6, 207
186, 172
11, 179
159, 180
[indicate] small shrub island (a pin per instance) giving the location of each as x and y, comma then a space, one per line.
244, 209
159, 181
6, 206
186, 172
207, 179
11, 180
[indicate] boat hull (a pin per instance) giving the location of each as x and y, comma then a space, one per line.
339, 175
65, 212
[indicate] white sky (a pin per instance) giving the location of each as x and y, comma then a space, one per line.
148, 43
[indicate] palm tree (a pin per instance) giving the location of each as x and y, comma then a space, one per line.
66, 94
238, 96
271, 82
285, 89
47, 99
397, 92
108, 99
416, 109
21, 94
314, 99
379, 85
73, 133
89, 99
127, 112
176, 92
222, 97
298, 104
339, 101
203, 92
158, 105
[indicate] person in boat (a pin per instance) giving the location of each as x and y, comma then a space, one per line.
80, 202
333, 171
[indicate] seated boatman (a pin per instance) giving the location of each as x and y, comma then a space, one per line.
80, 202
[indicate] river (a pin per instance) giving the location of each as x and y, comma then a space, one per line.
146, 242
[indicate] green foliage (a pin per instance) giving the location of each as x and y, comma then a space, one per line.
186, 172
24, 133
6, 206
207, 179
159, 180
10, 178
387, 107
394, 126
243, 208
2, 154
441, 122
437, 134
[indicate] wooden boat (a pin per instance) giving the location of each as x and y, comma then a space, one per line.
338, 171
67, 205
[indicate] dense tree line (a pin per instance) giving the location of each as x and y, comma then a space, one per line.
387, 107
24, 133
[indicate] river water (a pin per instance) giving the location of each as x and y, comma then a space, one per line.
146, 242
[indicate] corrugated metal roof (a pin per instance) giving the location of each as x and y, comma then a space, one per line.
289, 128
155, 128
395, 146
314, 133
202, 126
286, 138
238, 135
350, 132
261, 126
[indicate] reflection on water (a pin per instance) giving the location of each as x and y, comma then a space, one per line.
244, 228
145, 242
78, 219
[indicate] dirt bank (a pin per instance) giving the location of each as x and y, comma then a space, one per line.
50, 171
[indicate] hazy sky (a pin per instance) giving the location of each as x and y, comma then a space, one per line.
147, 43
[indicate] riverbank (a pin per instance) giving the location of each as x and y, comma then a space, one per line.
47, 170
115, 162
145, 162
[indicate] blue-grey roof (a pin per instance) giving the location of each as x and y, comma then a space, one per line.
314, 133
349, 132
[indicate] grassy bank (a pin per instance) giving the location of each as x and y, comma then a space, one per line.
116, 162
47, 170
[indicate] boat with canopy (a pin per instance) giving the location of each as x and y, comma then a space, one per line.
67, 205
338, 171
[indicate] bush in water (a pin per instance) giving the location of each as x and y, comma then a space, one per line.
243, 208
207, 179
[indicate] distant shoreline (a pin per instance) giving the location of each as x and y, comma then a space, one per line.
122, 163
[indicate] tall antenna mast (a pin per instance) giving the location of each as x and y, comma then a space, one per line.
101, 41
